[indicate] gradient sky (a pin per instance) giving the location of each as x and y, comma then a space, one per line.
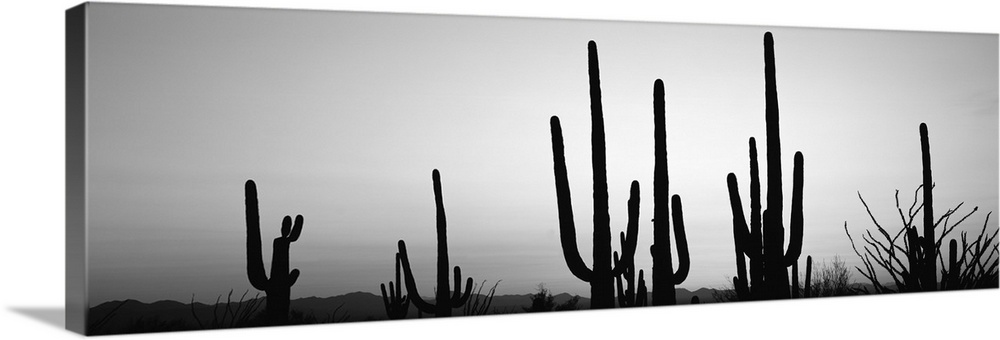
342, 116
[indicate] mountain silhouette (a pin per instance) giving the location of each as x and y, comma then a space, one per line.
166, 315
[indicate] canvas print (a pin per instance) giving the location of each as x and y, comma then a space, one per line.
237, 167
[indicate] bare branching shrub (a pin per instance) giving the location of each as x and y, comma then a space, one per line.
904, 255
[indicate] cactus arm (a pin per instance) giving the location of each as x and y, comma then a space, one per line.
293, 276
753, 247
755, 214
459, 300
385, 298
286, 226
742, 291
567, 228
399, 283
795, 280
795, 232
684, 259
255, 261
622, 301
929, 281
411, 284
295, 231
631, 232
740, 234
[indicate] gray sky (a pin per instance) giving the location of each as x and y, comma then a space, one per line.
341, 117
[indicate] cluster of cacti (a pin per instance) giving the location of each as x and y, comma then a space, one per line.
601, 276
807, 289
278, 287
758, 236
630, 294
444, 300
764, 242
396, 304
664, 277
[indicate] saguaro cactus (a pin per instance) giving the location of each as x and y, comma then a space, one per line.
808, 287
664, 277
928, 246
278, 287
601, 276
444, 300
764, 245
396, 304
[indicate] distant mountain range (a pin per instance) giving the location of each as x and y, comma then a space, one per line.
125, 316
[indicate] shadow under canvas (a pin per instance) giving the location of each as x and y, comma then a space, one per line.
53, 316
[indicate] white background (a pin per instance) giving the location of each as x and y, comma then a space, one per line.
32, 186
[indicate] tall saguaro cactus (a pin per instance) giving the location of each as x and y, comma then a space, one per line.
928, 279
764, 245
444, 300
664, 277
278, 287
601, 276
396, 304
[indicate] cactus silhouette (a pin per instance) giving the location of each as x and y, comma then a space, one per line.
601, 276
795, 278
664, 277
278, 287
629, 294
763, 244
444, 300
396, 304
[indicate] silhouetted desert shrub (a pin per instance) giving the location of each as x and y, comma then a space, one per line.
911, 259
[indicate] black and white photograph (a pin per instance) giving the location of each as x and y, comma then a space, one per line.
237, 167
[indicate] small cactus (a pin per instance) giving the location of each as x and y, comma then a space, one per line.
278, 287
629, 294
396, 304
795, 279
444, 300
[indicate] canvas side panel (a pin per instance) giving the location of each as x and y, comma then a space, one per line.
76, 148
